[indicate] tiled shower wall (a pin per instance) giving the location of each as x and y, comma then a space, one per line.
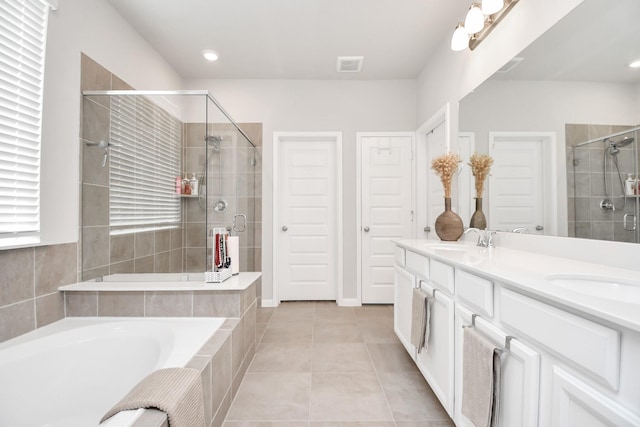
239, 185
585, 184
102, 254
29, 280
176, 250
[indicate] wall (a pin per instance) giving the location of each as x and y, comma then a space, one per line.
300, 105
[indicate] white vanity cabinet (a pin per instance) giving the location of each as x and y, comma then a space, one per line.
520, 373
561, 367
437, 362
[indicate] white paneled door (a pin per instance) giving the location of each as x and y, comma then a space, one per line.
307, 256
386, 209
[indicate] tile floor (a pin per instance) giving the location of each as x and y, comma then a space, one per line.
320, 365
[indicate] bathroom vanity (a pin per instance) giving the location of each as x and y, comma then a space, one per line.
570, 330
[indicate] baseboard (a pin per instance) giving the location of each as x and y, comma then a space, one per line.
268, 303
349, 302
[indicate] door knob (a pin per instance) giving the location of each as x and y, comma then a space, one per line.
366, 229
539, 228
285, 228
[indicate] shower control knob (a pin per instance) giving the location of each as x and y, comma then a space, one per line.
366, 229
285, 228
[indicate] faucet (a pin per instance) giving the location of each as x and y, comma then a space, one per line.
485, 237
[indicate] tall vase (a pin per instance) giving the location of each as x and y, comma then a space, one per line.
449, 225
478, 220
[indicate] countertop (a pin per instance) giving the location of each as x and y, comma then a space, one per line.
530, 272
163, 282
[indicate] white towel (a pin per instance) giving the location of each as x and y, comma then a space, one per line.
421, 319
176, 391
480, 379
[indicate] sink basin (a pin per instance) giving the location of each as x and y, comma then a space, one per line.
448, 247
599, 286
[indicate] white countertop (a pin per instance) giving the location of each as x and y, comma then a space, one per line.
529, 272
164, 282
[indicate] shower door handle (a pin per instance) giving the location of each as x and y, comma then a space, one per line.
625, 222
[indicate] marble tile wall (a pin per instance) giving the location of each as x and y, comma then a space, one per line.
585, 184
29, 280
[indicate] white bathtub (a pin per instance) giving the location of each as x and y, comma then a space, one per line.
69, 373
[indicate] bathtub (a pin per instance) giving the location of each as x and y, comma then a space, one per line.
69, 373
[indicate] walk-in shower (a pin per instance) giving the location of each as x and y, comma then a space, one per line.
135, 216
605, 188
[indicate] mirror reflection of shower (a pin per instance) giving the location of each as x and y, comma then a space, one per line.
612, 149
213, 142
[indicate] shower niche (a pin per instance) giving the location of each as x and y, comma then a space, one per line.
603, 182
133, 146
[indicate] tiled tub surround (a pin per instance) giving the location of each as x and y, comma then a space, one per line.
225, 358
29, 281
107, 356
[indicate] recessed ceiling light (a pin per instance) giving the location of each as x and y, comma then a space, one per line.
210, 55
635, 64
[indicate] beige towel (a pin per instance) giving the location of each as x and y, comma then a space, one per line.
421, 319
176, 391
480, 379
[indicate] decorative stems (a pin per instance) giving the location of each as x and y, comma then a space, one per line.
445, 166
480, 166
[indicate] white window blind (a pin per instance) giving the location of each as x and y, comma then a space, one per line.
23, 30
144, 164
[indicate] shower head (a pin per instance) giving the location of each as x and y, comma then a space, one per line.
214, 141
614, 146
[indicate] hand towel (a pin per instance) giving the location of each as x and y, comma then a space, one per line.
480, 379
175, 391
421, 319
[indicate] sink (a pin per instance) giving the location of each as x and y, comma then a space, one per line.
599, 286
448, 247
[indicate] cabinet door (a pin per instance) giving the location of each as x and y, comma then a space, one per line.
520, 375
403, 294
576, 404
436, 363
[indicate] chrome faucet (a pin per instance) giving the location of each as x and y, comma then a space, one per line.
485, 237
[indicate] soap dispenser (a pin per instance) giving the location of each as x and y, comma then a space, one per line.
629, 185
194, 184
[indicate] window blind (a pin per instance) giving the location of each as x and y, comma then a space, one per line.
23, 30
144, 164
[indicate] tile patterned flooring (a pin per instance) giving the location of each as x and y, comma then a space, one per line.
320, 365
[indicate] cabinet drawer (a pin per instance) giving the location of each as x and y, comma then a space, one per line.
475, 291
418, 264
400, 256
442, 275
591, 346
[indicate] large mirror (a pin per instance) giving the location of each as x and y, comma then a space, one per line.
554, 118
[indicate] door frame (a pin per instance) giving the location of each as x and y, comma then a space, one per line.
357, 301
336, 138
549, 172
440, 117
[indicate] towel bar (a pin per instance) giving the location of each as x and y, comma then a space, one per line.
507, 338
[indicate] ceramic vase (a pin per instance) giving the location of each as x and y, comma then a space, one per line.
449, 225
478, 220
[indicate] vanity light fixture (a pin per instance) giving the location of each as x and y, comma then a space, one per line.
634, 64
210, 55
480, 20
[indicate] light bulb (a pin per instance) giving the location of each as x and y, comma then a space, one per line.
460, 38
210, 55
474, 22
489, 7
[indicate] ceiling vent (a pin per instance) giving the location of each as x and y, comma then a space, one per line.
349, 64
510, 65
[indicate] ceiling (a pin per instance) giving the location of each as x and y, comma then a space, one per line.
594, 43
294, 39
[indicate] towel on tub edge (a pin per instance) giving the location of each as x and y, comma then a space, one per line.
175, 391
421, 319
